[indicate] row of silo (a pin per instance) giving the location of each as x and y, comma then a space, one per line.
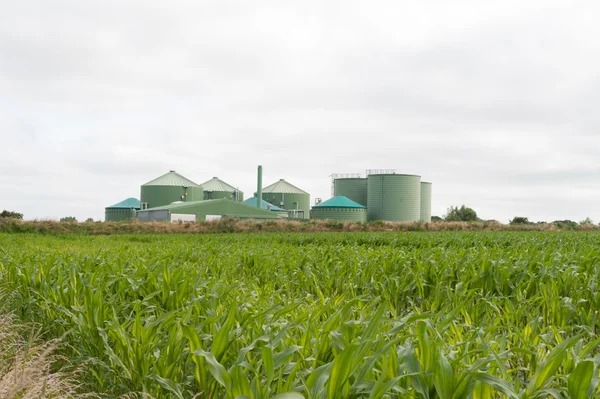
173, 187
391, 197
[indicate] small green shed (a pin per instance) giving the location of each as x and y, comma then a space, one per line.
124, 210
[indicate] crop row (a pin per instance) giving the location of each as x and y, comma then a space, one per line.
348, 315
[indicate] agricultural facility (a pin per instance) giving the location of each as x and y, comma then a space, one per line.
382, 195
173, 197
386, 195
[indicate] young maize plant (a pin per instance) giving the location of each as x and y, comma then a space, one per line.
446, 315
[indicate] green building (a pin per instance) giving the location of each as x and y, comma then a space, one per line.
265, 205
124, 210
168, 188
289, 197
340, 208
204, 210
216, 188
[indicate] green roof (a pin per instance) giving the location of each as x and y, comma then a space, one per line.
127, 204
186, 204
216, 184
283, 187
172, 179
339, 202
264, 204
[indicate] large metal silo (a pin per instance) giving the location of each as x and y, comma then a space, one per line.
288, 197
216, 188
169, 188
394, 197
426, 201
354, 188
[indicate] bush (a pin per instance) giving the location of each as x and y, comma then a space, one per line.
462, 214
11, 215
519, 220
436, 219
68, 219
586, 222
565, 224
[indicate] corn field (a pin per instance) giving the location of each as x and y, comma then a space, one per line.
325, 315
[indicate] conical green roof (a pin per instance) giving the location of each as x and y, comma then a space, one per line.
127, 204
339, 202
264, 204
284, 187
171, 179
216, 184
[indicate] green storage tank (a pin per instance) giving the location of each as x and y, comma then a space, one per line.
339, 208
354, 188
169, 188
426, 201
394, 197
288, 197
124, 210
216, 188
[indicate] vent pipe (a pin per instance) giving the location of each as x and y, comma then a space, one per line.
259, 188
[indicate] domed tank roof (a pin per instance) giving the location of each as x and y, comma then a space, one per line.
216, 184
284, 187
126, 204
340, 202
171, 179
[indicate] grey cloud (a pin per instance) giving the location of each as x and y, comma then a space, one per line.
494, 103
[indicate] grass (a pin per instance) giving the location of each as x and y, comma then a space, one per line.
270, 226
313, 315
27, 365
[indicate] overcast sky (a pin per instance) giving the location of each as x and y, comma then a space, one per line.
495, 102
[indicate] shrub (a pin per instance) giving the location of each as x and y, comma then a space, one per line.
11, 215
462, 214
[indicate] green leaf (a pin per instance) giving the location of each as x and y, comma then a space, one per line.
288, 395
580, 380
495, 382
216, 369
552, 362
443, 378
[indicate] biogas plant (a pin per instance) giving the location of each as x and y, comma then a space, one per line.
381, 195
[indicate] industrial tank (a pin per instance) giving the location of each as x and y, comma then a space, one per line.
354, 188
216, 188
124, 210
340, 208
394, 197
288, 197
425, 201
169, 188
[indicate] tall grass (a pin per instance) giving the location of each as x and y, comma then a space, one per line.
373, 315
229, 225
